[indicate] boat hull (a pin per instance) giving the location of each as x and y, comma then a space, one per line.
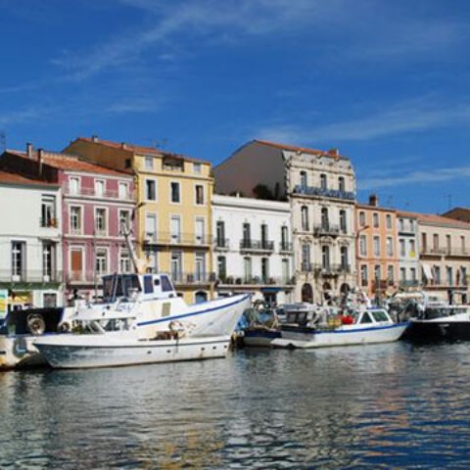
430, 330
343, 336
260, 337
87, 351
18, 351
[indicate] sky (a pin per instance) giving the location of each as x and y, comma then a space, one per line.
385, 82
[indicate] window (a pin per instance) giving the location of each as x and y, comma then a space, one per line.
48, 259
412, 225
391, 274
176, 266
306, 257
197, 168
462, 244
220, 234
402, 245
151, 227
175, 192
74, 185
48, 213
284, 238
402, 274
449, 275
248, 275
448, 243
323, 181
362, 219
325, 252
435, 242
389, 243
100, 222
362, 245
413, 274
101, 263
150, 190
388, 221
377, 272
304, 217
76, 220
222, 268
341, 184
18, 260
123, 190
124, 220
99, 188
375, 219
342, 221
200, 262
125, 262
148, 162
376, 246
344, 258
199, 194
364, 276
175, 229
325, 223
285, 271
303, 179
200, 231
437, 274
265, 270
412, 249
246, 235
264, 236
401, 224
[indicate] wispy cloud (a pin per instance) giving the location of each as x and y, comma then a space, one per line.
23, 116
411, 116
416, 177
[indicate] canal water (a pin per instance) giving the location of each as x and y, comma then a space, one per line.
386, 406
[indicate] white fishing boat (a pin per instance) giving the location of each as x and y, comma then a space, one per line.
366, 326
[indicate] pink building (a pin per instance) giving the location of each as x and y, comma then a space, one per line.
95, 201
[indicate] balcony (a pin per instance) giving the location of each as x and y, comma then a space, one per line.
221, 244
326, 230
257, 280
92, 193
177, 239
256, 246
285, 247
31, 277
332, 270
193, 278
324, 192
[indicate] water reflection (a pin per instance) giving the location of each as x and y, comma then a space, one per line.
385, 406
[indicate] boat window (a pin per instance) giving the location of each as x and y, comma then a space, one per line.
366, 318
148, 284
166, 284
166, 309
379, 315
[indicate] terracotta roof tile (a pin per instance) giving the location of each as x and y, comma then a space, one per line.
70, 162
330, 153
139, 149
13, 178
435, 219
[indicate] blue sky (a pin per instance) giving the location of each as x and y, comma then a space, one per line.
386, 82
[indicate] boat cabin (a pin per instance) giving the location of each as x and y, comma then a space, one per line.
128, 286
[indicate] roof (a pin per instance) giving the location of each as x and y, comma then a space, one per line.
69, 162
137, 149
434, 219
332, 152
13, 178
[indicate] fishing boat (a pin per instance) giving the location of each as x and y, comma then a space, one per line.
364, 326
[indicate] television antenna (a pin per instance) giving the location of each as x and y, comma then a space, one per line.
3, 141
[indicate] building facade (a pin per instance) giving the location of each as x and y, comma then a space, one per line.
377, 256
94, 202
253, 248
30, 242
409, 272
320, 187
174, 210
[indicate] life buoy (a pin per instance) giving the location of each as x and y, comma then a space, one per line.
36, 324
64, 327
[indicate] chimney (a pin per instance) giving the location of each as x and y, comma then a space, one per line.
40, 158
374, 200
334, 152
29, 150
94, 138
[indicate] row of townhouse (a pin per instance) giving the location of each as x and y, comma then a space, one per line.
277, 220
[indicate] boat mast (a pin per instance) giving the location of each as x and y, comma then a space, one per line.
139, 265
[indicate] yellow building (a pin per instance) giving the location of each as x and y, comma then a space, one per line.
173, 210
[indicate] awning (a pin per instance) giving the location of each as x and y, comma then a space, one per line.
427, 271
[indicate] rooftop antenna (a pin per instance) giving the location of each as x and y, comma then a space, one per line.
449, 198
159, 143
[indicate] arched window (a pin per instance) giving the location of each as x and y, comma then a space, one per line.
325, 252
342, 221
325, 223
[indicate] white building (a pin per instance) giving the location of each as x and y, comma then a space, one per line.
321, 189
253, 247
30, 242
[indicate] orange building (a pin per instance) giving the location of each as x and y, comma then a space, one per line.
376, 249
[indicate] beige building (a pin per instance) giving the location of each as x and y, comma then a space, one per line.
321, 189
173, 210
